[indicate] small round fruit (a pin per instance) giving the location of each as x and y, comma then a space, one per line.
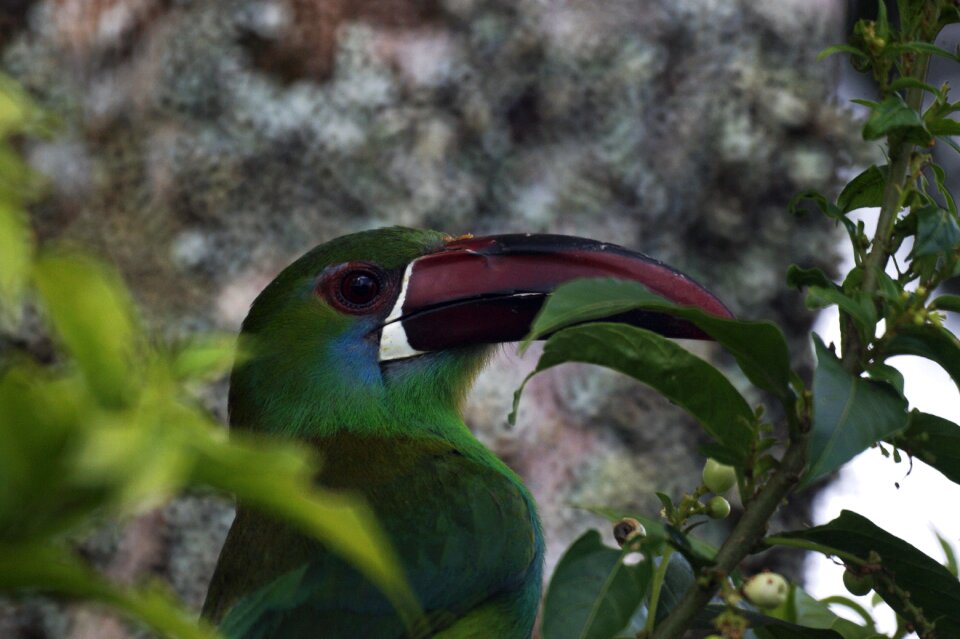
718, 507
717, 477
766, 590
858, 585
628, 529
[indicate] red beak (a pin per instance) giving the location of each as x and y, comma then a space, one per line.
488, 290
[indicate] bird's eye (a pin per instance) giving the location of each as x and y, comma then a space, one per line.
359, 289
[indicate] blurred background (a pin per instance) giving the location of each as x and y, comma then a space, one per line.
205, 144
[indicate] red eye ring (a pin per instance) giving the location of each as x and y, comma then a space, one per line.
357, 288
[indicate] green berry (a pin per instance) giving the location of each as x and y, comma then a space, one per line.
718, 507
717, 477
766, 590
857, 584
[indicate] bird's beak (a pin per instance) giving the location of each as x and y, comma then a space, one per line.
487, 290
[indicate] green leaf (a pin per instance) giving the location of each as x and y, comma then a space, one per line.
888, 374
593, 594
759, 347
864, 190
205, 357
943, 126
937, 232
894, 116
913, 83
798, 277
935, 441
949, 553
940, 177
946, 303
841, 48
681, 377
16, 253
93, 316
932, 342
803, 610
931, 586
920, 47
849, 414
861, 308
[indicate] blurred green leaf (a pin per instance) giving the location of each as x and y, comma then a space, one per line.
931, 586
662, 364
920, 47
932, 342
759, 347
864, 190
593, 594
937, 232
940, 178
205, 357
935, 441
849, 414
946, 303
93, 317
841, 48
894, 116
949, 553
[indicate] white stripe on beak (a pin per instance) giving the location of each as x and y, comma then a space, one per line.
393, 337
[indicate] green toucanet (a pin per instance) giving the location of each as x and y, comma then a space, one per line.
365, 347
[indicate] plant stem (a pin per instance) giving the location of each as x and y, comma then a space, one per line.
655, 589
876, 261
744, 539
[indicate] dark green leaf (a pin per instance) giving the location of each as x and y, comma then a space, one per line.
935, 441
798, 277
593, 594
913, 83
943, 126
16, 253
937, 232
861, 309
921, 47
864, 190
803, 610
888, 374
849, 414
759, 347
934, 343
893, 116
931, 586
947, 303
681, 377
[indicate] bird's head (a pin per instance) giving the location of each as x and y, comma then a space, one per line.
387, 328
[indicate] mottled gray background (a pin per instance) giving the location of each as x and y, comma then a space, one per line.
208, 143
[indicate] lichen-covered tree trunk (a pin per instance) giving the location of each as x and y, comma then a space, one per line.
206, 143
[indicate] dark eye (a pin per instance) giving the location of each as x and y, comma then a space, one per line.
359, 288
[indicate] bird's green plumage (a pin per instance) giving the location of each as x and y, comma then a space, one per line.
461, 522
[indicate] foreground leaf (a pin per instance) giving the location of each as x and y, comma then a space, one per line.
935, 441
593, 594
849, 415
864, 190
894, 116
931, 586
662, 364
932, 342
937, 232
759, 347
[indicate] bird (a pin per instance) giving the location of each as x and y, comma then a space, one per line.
365, 348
